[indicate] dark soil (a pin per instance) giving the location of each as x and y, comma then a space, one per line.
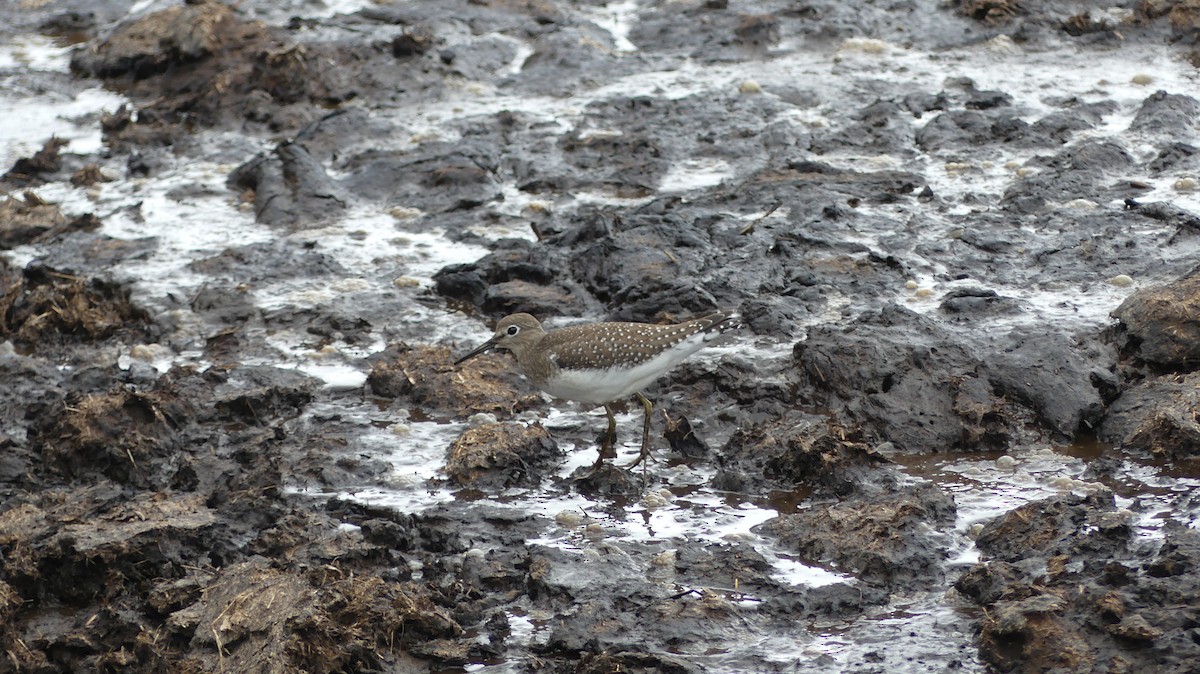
160, 516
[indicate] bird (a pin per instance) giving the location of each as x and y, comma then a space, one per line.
604, 362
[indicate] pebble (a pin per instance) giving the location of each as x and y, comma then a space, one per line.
656, 499
911, 285
1064, 483
974, 530
351, 285
1186, 185
664, 558
405, 213
405, 480
481, 419
569, 518
750, 87
1121, 280
1006, 462
1003, 44
141, 352
864, 45
1142, 79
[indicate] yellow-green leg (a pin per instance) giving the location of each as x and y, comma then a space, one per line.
610, 438
645, 453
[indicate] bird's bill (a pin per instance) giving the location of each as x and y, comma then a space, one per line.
482, 348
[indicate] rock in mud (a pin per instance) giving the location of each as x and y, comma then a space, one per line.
260, 395
267, 262
511, 260
426, 379
1089, 170
1161, 325
625, 614
797, 450
1166, 113
959, 128
203, 63
516, 297
152, 43
44, 308
439, 178
290, 188
253, 617
1068, 586
123, 435
888, 539
1063, 395
35, 170
1160, 416
886, 381
498, 456
30, 219
1056, 526
917, 384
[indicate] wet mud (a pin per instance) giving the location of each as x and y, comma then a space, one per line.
181, 492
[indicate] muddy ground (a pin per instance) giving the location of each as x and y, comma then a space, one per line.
149, 521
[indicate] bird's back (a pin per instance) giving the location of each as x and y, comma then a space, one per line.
603, 362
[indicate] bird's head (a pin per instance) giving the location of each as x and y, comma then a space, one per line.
515, 333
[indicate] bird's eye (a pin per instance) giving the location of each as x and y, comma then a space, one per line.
512, 330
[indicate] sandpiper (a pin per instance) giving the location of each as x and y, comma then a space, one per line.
601, 363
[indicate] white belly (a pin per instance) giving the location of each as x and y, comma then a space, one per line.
604, 386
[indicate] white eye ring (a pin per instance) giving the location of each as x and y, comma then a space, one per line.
512, 330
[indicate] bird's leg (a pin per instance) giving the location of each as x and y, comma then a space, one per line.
645, 454
610, 439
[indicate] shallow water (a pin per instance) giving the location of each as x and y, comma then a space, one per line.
381, 258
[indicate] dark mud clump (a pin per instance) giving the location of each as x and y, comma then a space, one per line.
30, 170
30, 219
1158, 417
162, 514
195, 518
1068, 585
44, 308
923, 386
424, 378
1160, 326
500, 456
121, 435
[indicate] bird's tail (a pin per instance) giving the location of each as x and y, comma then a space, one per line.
720, 323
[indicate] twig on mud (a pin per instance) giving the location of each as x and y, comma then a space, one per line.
749, 228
